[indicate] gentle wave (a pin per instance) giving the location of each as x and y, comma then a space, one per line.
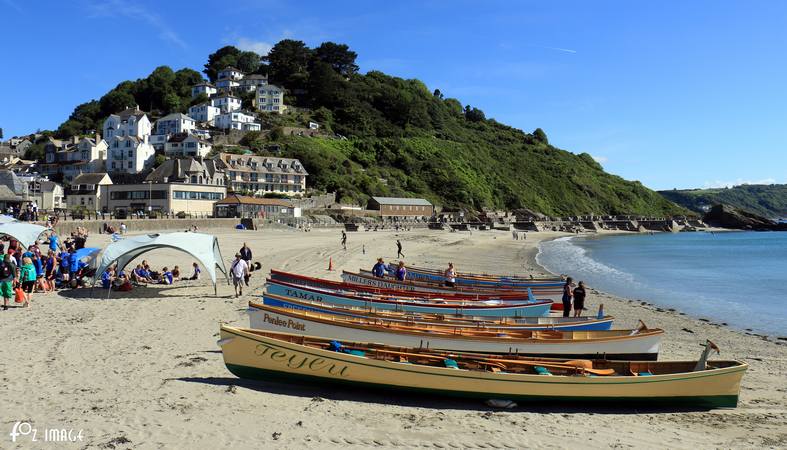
564, 257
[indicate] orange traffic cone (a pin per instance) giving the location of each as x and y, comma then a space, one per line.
330, 263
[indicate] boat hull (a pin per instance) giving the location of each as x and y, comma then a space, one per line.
499, 309
260, 357
529, 323
635, 347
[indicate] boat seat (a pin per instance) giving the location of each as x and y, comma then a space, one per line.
354, 352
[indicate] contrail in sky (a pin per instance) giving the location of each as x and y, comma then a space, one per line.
558, 49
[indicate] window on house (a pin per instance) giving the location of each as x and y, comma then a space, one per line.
194, 179
113, 165
130, 153
129, 164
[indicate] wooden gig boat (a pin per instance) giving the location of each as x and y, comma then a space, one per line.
269, 356
640, 344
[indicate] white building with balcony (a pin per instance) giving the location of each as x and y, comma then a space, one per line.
187, 145
250, 83
230, 73
130, 122
175, 123
237, 120
129, 154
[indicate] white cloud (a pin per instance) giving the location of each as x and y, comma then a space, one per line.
599, 159
738, 182
259, 47
115, 8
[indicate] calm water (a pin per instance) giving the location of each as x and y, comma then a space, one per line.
738, 277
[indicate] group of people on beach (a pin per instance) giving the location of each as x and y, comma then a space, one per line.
379, 270
40, 268
143, 274
576, 294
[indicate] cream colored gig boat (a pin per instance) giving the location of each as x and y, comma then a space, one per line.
263, 355
641, 343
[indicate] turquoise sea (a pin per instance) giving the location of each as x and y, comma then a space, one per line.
735, 277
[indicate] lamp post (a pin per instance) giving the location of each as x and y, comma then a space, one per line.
150, 195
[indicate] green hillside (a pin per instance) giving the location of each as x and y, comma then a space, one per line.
764, 200
391, 136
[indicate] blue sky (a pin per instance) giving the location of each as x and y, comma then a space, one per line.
674, 94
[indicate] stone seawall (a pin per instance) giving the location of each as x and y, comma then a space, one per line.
137, 225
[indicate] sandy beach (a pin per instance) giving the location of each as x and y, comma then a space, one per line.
142, 369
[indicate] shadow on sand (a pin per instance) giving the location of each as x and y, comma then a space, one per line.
400, 398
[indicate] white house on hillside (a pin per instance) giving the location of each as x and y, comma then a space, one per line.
129, 154
130, 122
175, 123
185, 145
270, 98
237, 120
230, 73
226, 103
203, 88
204, 112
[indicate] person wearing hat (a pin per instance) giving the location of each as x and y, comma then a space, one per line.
239, 270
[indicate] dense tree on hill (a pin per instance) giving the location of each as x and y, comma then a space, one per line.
245, 61
338, 56
288, 63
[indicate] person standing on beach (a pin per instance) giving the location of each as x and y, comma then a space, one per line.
245, 254
344, 240
7, 278
567, 295
579, 299
239, 270
399, 253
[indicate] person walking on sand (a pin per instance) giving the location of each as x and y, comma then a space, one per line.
579, 299
344, 240
245, 253
27, 278
399, 253
450, 275
239, 270
567, 295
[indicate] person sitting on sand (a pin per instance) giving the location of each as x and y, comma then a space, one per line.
166, 276
197, 271
401, 272
579, 299
379, 269
176, 273
108, 277
450, 275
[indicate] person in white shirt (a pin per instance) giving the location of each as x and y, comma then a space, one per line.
239, 270
450, 276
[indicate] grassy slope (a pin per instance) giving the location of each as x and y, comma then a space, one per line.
763, 200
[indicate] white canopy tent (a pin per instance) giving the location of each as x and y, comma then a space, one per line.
6, 219
203, 247
26, 233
